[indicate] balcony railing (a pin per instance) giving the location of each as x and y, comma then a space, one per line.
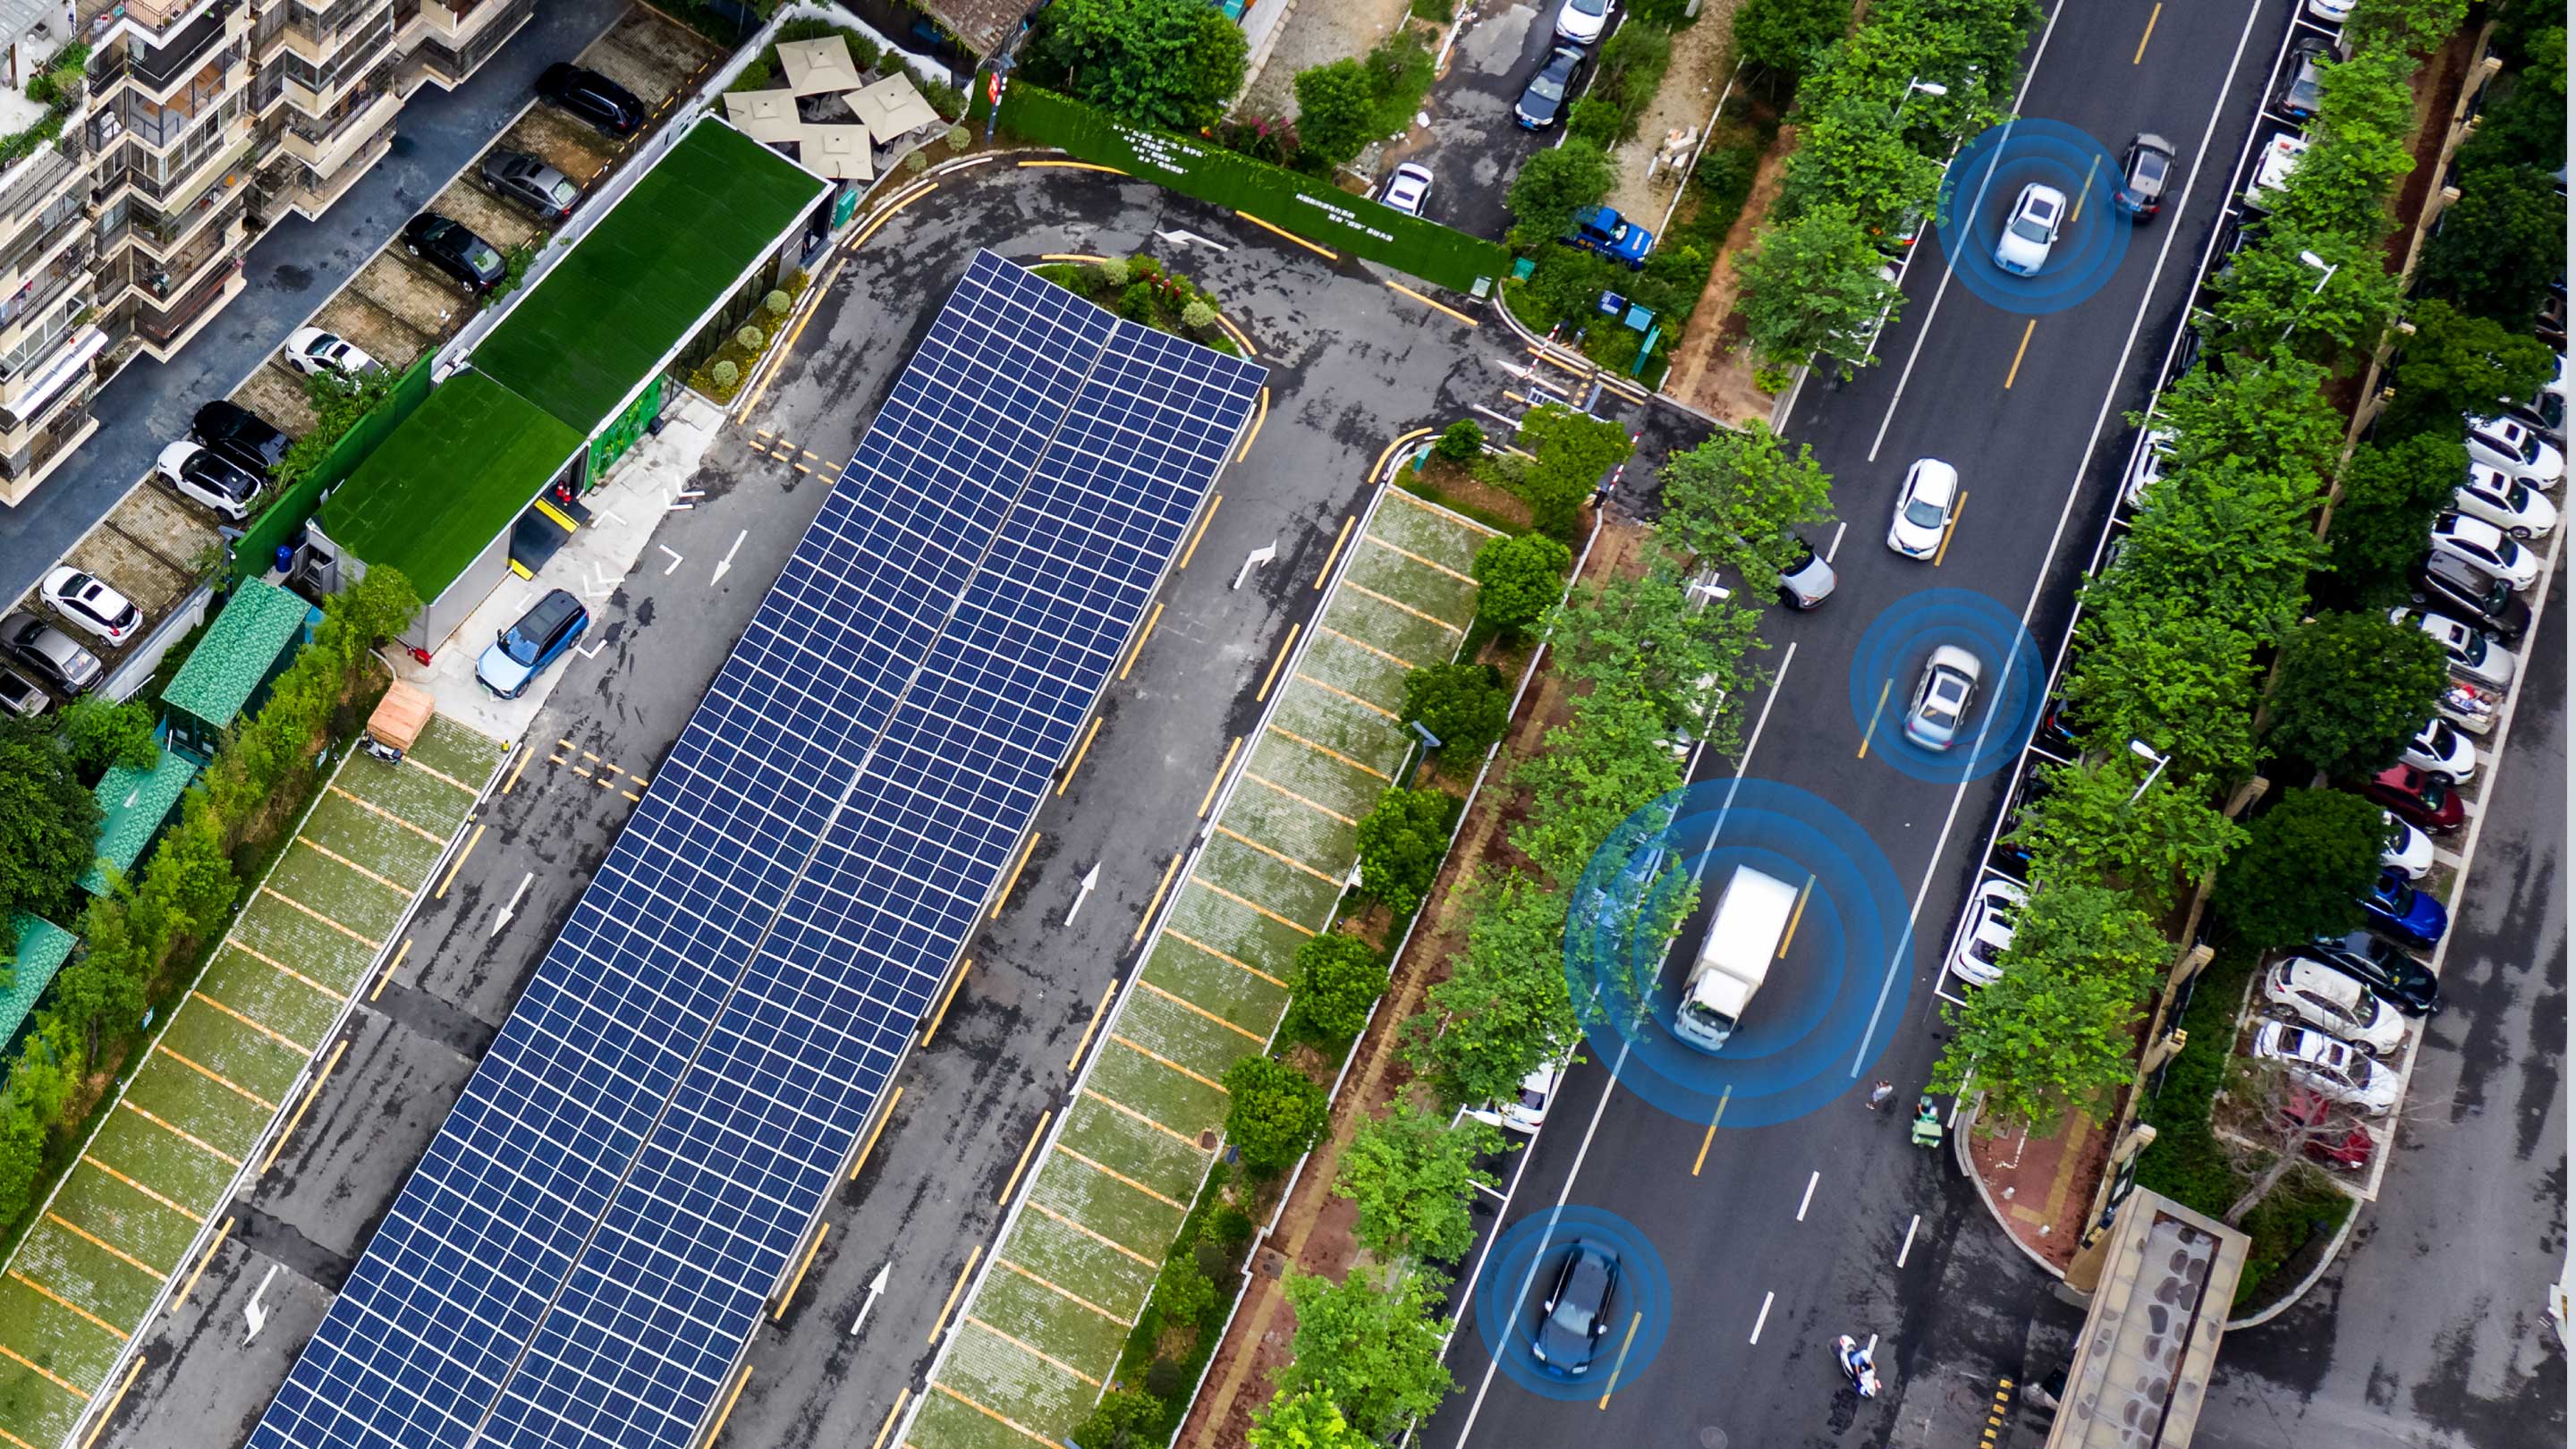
158, 328
30, 189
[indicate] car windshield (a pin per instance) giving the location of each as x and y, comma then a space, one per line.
521, 642
1548, 85
2434, 793
2473, 647
1589, 7
1922, 514
2151, 168
2029, 230
482, 258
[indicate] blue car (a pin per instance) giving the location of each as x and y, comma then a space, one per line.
525, 648
2398, 909
1602, 230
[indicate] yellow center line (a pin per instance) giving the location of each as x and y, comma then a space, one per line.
1622, 1360
1953, 530
1227, 764
738, 1386
1873, 719
1151, 906
902, 1397
1083, 749
1205, 519
1434, 306
1076, 166
1344, 536
973, 1255
2092, 164
2151, 29
1796, 915
2027, 328
471, 841
1272, 677
876, 1132
1711, 1135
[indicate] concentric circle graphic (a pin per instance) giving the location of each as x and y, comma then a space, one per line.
1522, 1269
1977, 196
1890, 662
1831, 997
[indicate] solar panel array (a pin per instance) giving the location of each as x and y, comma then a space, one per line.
593, 1233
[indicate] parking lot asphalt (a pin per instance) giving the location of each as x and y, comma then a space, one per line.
1352, 365
1473, 146
290, 269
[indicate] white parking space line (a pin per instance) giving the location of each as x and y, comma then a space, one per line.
1763, 1317
1836, 546
1909, 1239
1809, 1196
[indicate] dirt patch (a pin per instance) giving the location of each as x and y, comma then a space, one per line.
1313, 33
1315, 1228
277, 394
379, 333
144, 546
486, 215
2437, 95
561, 142
1711, 370
1684, 104
650, 54
423, 297
1448, 483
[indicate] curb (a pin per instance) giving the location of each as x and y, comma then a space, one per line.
2334, 1251
1967, 1162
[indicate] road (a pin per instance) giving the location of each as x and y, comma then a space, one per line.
1779, 1237
1474, 147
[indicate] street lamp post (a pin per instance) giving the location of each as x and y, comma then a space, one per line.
1930, 88
2326, 275
2145, 751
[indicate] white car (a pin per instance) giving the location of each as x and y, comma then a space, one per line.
1407, 188
2516, 507
1582, 21
2332, 12
312, 351
1943, 698
2483, 544
2332, 1069
2280, 158
2548, 407
1985, 930
200, 473
92, 605
2516, 449
2472, 655
2148, 468
1526, 1112
2438, 749
1925, 505
2030, 230
2328, 999
2409, 852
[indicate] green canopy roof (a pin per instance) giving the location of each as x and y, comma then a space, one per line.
225, 670
613, 312
42, 949
136, 803
448, 481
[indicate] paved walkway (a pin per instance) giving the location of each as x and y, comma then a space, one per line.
292, 269
2041, 1187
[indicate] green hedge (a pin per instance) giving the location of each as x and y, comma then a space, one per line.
296, 503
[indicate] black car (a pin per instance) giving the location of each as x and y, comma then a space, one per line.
2392, 975
531, 183
50, 654
2060, 733
2144, 173
17, 696
240, 435
1551, 92
2294, 92
2469, 594
593, 97
448, 246
1576, 1312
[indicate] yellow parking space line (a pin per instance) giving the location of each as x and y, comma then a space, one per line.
1222, 766
1369, 593
1079, 751
1214, 503
1160, 1060
51, 1377
902, 1396
95, 1321
1155, 904
1185, 1004
1108, 994
175, 1130
103, 1245
1204, 949
1148, 633
1031, 1350
1067, 1294
1395, 659
1258, 418
1331, 753
1175, 1133
1006, 1421
2151, 30
876, 1132
1277, 788
1325, 252
525, 753
1116, 1176
1103, 1239
955, 985
1367, 704
799, 1280
1203, 883
1279, 855
1344, 536
973, 1255
263, 1028
180, 1299
1401, 496
1013, 883
1434, 306
371, 943
332, 855
458, 865
436, 774
1272, 677
159, 1197
133, 1371
283, 969
366, 804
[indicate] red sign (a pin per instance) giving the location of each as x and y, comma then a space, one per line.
993, 88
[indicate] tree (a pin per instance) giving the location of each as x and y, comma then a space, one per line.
2352, 689
99, 734
1337, 108
2365, 124
22, 1151
1813, 285
2410, 25
2391, 493
2180, 680
1519, 579
1784, 35
1574, 452
1503, 1008
1370, 1349
1273, 1113
1411, 1173
1595, 771
2456, 364
1125, 1419
1552, 186
2234, 537
1168, 63
1739, 499
1464, 704
1851, 154
1304, 1421
48, 824
1403, 839
2058, 1029
2501, 245
1684, 654
2332, 315
1183, 1292
1339, 977
2086, 830
2305, 863
1461, 441
2267, 412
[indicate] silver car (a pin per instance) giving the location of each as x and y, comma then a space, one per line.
1943, 697
1807, 580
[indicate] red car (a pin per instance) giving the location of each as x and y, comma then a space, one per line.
2429, 804
2313, 1116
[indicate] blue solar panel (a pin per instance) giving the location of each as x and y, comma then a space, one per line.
590, 1239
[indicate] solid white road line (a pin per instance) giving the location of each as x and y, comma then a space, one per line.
1760, 1319
1909, 1239
1836, 546
1810, 1195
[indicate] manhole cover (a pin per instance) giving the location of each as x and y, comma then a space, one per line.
1711, 1437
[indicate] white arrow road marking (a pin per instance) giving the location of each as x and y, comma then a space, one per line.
1254, 560
1084, 894
666, 548
723, 565
876, 1290
502, 916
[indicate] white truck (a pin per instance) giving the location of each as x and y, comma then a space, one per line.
1753, 914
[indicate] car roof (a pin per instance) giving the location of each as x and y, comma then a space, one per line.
554, 607
2300, 973
2460, 525
1951, 656
1934, 478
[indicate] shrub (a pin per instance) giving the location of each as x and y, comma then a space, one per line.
750, 339
1199, 315
1165, 1379
1113, 271
2300, 871
1136, 304
99, 734
1183, 1290
1462, 703
1402, 842
1460, 441
1339, 977
1230, 1225
916, 161
1521, 578
1124, 1419
1273, 1114
725, 374
958, 138
776, 303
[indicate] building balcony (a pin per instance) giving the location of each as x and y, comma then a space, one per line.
45, 451
447, 46
49, 174
31, 391
301, 192
164, 331
216, 40
326, 146
162, 237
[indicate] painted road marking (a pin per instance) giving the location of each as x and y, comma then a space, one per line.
1007, 886
1254, 431
262, 1028
1276, 787
1160, 1060
1176, 1134
1222, 766
1188, 1005
1065, 1293
1957, 511
1249, 904
1023, 1164
175, 1130
801, 1269
875, 1132
304, 1106
1280, 856
1332, 754
2092, 164
1428, 563
1139, 651
138, 1187
373, 945
1622, 1360
902, 1396
191, 1285
1441, 308
216, 1077
1081, 750
2027, 328
1032, 1350
1160, 886
1205, 949
1205, 519
1808, 1196
1368, 593
1115, 1176
1051, 1215
1711, 1135
955, 985
1909, 1239
1107, 993
1323, 252
1395, 659
525, 754
1272, 677
1760, 1319
1873, 719
1375, 708
365, 804
1339, 539
1796, 914
2151, 30
95, 1321
458, 864
973, 1254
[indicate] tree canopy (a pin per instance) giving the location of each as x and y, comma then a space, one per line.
1302, 1421
1464, 704
1402, 842
1273, 1113
1814, 285
1740, 498
1647, 634
48, 823
1503, 1008
2087, 830
1168, 63
1519, 579
2351, 689
1554, 184
2305, 864
1371, 1349
2501, 245
1339, 977
2057, 1030
1412, 1172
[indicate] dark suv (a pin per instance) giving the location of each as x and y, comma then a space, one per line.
531, 183
593, 97
445, 244
240, 435
2470, 594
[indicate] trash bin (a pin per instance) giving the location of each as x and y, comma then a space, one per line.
285, 557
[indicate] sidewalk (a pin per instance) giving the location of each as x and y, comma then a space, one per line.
2039, 1188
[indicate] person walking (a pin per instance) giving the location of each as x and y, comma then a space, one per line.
1879, 1094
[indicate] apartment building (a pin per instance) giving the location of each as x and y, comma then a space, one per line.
141, 145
